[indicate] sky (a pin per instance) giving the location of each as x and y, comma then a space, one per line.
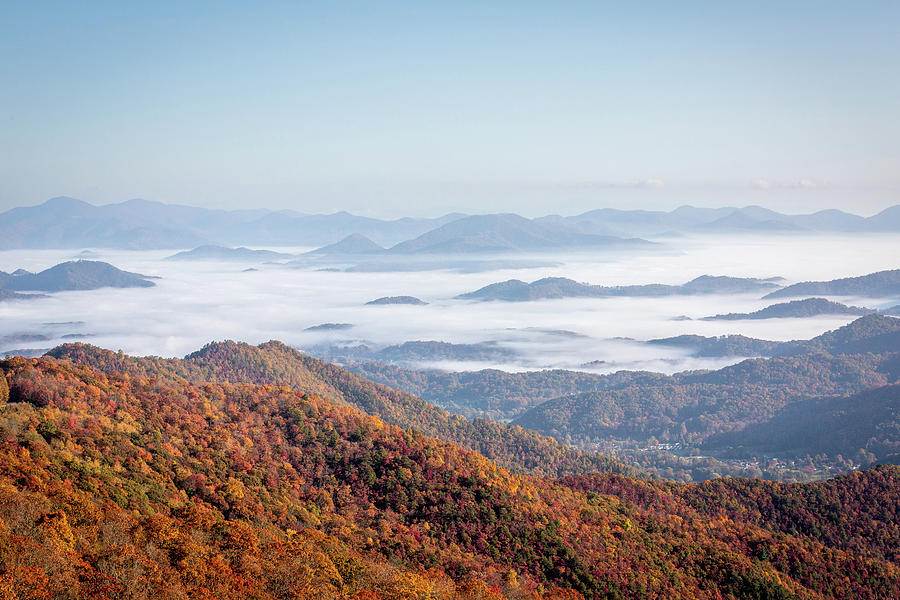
418, 109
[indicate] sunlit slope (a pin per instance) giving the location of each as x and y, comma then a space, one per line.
129, 485
275, 363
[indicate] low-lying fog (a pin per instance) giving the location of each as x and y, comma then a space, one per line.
196, 302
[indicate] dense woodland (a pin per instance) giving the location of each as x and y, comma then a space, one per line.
757, 418
869, 420
501, 395
493, 393
692, 406
274, 363
625, 414
775, 408
116, 483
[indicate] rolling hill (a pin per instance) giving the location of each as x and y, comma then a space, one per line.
386, 300
149, 485
274, 363
514, 290
690, 407
843, 425
505, 233
730, 220
212, 252
723, 345
873, 285
808, 307
499, 395
74, 275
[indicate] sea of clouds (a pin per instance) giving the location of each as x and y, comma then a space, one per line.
194, 303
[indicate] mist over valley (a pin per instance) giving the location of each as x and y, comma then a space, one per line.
263, 293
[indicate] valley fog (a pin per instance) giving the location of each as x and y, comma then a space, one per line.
195, 302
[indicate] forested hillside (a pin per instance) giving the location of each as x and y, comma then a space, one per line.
494, 393
843, 425
274, 363
690, 407
504, 396
147, 485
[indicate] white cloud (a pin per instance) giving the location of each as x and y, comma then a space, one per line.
195, 303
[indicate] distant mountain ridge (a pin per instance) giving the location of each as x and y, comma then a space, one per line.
875, 332
808, 307
64, 222
385, 300
882, 283
213, 252
504, 233
8, 295
141, 224
354, 243
724, 345
411, 352
515, 290
749, 219
693, 406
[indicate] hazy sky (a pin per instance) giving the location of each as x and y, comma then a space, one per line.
422, 108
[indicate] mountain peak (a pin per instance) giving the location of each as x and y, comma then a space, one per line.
66, 202
355, 243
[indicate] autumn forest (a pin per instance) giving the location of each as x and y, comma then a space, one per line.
244, 472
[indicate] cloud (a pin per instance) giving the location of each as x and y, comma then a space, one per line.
804, 184
651, 183
194, 303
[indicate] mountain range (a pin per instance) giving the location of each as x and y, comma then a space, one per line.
585, 408
212, 252
874, 285
809, 307
253, 472
411, 352
722, 345
141, 224
506, 233
503, 396
353, 244
693, 406
515, 290
749, 219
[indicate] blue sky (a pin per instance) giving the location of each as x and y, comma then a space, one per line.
423, 108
